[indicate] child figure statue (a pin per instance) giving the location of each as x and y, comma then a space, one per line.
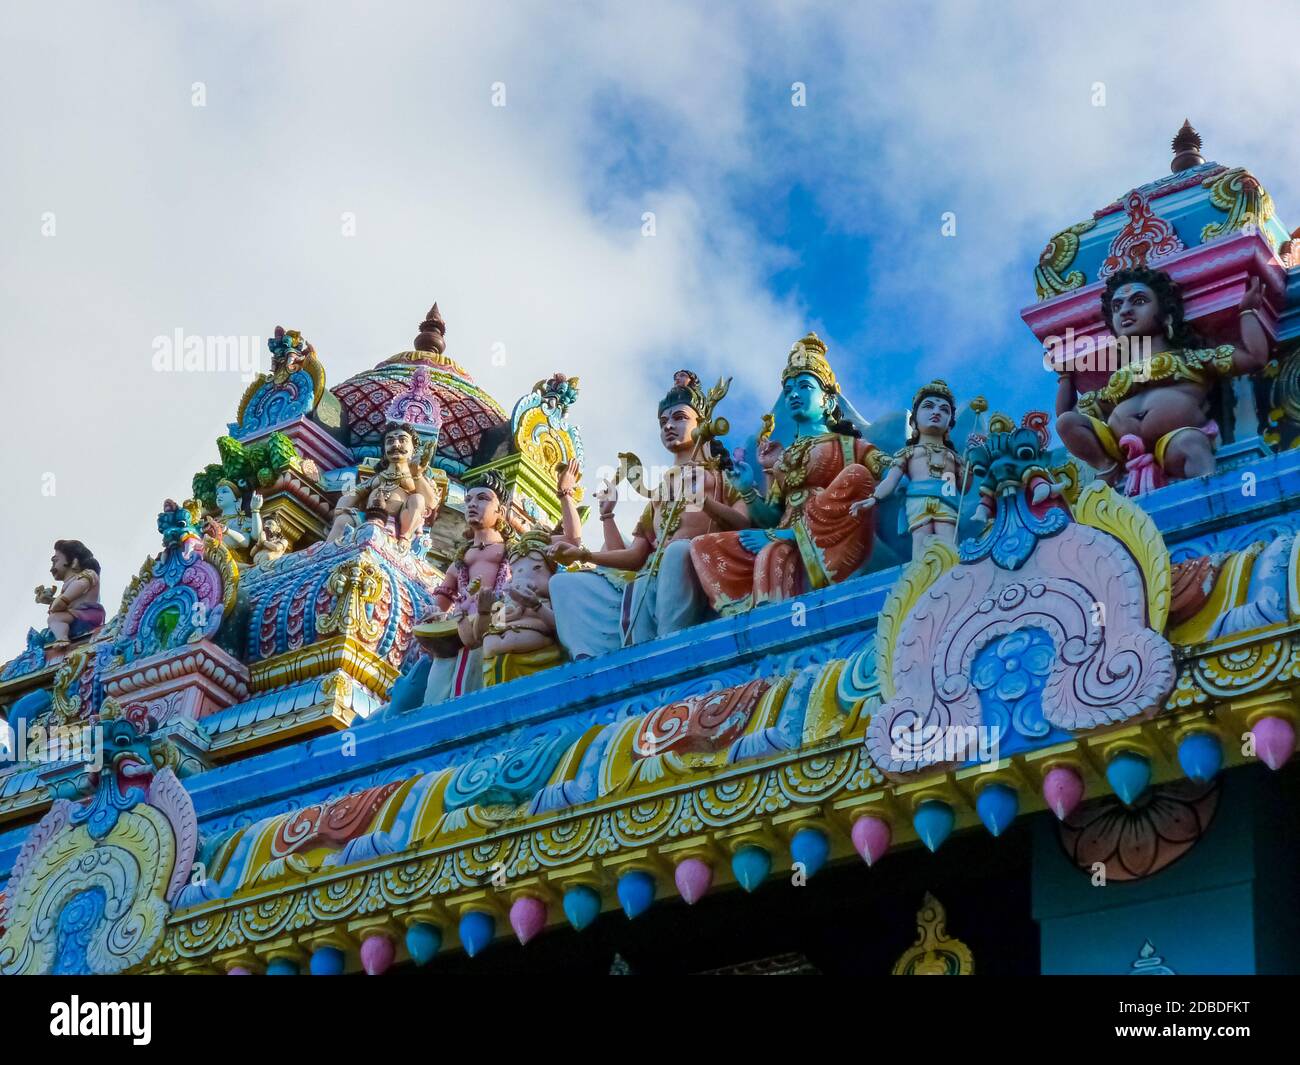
928, 469
518, 630
271, 542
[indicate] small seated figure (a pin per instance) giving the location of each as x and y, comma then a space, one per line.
1152, 419
401, 491
519, 635
928, 470
75, 609
271, 542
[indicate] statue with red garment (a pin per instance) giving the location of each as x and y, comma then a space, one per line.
808, 533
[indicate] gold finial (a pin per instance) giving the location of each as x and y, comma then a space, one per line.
935, 953
809, 356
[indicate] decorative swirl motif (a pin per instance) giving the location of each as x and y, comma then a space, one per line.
701, 724
329, 824
130, 866
1145, 240
937, 559
509, 776
1049, 277
1238, 192
1134, 528
1081, 588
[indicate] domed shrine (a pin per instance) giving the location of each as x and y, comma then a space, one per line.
380, 701
473, 425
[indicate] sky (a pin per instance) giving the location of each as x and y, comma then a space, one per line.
351, 163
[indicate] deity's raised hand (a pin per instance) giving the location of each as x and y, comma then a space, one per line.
566, 477
607, 495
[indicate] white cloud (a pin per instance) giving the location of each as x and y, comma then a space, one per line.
226, 219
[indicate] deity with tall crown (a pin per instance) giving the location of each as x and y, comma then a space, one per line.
1152, 419
808, 534
646, 588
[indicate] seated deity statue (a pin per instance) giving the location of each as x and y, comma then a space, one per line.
647, 588
75, 609
248, 535
928, 470
271, 543
402, 494
518, 631
809, 533
1152, 419
480, 573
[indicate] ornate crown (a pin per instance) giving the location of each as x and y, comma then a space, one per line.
935, 388
809, 356
534, 541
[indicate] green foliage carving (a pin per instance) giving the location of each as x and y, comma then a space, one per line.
249, 467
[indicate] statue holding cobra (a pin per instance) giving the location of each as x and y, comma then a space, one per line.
647, 588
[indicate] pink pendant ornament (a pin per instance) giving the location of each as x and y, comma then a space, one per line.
377, 954
693, 878
1274, 741
1062, 790
871, 838
238, 970
527, 918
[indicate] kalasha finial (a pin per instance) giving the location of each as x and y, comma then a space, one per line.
433, 331
1187, 149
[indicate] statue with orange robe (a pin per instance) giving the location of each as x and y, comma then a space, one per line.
808, 534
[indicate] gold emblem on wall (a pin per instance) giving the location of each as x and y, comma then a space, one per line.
934, 953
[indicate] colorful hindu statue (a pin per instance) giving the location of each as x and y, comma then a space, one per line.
248, 535
75, 609
401, 494
808, 534
928, 469
271, 542
479, 574
232, 525
647, 588
518, 630
1152, 418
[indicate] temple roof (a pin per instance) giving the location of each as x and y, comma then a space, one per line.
468, 410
